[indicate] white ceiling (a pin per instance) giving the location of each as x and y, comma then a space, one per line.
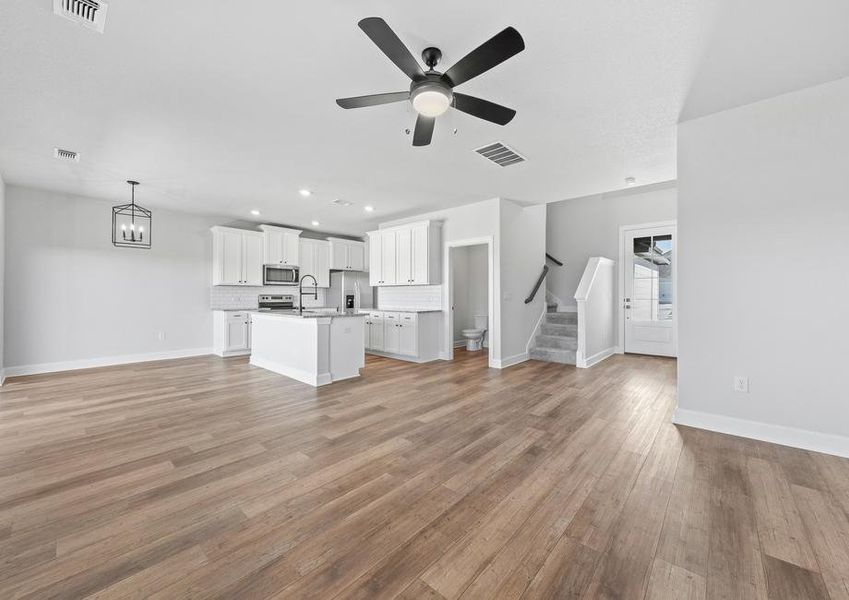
222, 107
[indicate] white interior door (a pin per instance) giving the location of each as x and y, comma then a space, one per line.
650, 325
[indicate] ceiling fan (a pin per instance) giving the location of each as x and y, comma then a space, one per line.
432, 92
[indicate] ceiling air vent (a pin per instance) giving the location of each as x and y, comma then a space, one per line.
500, 154
66, 154
90, 13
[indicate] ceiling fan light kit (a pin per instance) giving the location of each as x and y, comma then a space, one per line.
432, 92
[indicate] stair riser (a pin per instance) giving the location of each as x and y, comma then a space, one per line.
562, 318
558, 329
556, 341
565, 357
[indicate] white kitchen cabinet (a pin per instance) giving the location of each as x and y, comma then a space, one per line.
391, 333
407, 334
406, 255
347, 255
315, 261
404, 335
231, 333
236, 256
281, 245
375, 325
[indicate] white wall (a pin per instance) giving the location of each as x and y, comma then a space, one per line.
72, 296
763, 222
471, 287
522, 257
584, 227
2, 269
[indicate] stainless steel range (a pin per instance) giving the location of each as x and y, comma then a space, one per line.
279, 302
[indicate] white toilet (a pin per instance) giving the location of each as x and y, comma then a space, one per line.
474, 337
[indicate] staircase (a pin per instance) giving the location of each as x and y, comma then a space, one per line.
557, 340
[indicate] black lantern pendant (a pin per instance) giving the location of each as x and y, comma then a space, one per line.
131, 224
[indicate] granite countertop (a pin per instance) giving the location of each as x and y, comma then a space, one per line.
307, 314
405, 310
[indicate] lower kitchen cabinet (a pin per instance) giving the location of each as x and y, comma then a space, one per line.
231, 332
404, 335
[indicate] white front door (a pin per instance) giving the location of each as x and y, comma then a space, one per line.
649, 302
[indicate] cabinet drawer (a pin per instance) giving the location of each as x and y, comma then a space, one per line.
407, 317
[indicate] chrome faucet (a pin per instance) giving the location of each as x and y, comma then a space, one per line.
301, 292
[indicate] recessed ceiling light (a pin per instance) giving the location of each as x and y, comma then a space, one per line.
630, 180
255, 212
305, 192
369, 208
315, 223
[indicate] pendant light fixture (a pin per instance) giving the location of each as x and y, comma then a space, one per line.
131, 224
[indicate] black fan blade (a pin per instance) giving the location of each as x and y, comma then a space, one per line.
483, 109
385, 39
424, 130
489, 54
373, 100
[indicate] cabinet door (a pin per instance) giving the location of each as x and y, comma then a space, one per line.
404, 254
322, 264
307, 259
376, 337
419, 255
392, 336
231, 256
357, 257
375, 260
339, 257
407, 338
238, 336
252, 274
291, 249
388, 258
273, 246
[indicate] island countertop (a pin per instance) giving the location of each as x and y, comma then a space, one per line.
307, 314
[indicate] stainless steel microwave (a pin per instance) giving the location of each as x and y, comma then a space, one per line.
279, 275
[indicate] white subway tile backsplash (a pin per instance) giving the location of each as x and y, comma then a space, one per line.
410, 297
229, 297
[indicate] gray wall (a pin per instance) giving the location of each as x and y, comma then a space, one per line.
2, 267
71, 295
764, 268
584, 227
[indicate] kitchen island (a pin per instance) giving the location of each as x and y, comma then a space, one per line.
313, 347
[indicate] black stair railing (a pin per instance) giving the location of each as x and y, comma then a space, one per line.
542, 275
554, 260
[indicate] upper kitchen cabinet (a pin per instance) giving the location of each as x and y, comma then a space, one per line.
236, 256
406, 255
315, 261
347, 255
281, 246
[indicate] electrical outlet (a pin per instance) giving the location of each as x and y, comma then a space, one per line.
741, 384
160, 335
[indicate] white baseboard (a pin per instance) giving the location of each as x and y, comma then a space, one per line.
596, 358
2, 377
315, 380
106, 361
765, 432
509, 361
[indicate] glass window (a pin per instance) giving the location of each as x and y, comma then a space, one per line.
651, 298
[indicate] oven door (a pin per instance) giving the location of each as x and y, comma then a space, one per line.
277, 275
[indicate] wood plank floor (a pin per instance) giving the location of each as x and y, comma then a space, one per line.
208, 478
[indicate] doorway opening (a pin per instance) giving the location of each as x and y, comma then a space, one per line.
469, 284
648, 289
